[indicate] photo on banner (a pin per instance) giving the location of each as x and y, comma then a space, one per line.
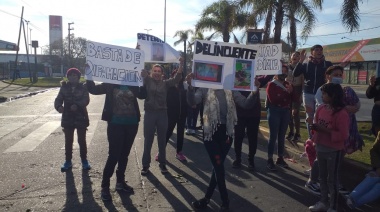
230, 66
156, 50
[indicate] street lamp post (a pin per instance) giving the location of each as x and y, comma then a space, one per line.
165, 22
69, 37
27, 34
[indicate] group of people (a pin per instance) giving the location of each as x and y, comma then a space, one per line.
228, 116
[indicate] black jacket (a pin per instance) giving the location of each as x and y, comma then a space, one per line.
107, 88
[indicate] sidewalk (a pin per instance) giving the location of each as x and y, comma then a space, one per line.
9, 92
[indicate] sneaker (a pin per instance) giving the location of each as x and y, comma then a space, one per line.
66, 166
163, 168
307, 172
319, 206
297, 137
188, 131
156, 157
342, 190
85, 165
145, 171
313, 187
180, 156
123, 187
270, 165
236, 164
105, 194
251, 165
290, 136
201, 203
349, 202
192, 132
281, 163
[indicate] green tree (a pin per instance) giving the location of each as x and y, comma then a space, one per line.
222, 17
284, 11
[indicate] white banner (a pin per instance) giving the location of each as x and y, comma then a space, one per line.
156, 50
114, 64
231, 66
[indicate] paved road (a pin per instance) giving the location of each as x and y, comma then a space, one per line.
31, 152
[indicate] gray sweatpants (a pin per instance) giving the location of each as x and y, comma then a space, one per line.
155, 120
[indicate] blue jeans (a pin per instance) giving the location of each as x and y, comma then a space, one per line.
367, 191
278, 120
309, 104
192, 115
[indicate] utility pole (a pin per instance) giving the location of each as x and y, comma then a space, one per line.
147, 31
165, 23
69, 36
27, 34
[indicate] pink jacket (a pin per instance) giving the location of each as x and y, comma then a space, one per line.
338, 123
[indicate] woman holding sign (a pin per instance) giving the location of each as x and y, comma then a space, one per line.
218, 127
156, 117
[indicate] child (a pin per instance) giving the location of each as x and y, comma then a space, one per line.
331, 129
71, 101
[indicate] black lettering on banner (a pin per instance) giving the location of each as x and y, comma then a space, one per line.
224, 51
266, 60
111, 73
142, 36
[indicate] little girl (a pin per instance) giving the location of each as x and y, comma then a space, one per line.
331, 129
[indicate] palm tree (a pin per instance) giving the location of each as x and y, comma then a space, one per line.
283, 10
222, 17
183, 37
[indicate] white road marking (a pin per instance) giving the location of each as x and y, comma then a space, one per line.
30, 142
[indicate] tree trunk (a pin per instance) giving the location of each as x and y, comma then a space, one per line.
278, 22
267, 26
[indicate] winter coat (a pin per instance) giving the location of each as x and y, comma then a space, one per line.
68, 96
107, 88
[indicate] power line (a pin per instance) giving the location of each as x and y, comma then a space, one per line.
339, 33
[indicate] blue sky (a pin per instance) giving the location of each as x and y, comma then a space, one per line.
117, 22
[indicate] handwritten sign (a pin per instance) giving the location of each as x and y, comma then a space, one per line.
114, 64
156, 50
231, 66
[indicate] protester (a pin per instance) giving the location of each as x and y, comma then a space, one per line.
177, 112
122, 113
156, 117
369, 189
219, 121
279, 97
297, 83
191, 119
314, 77
72, 101
248, 123
373, 92
331, 129
334, 74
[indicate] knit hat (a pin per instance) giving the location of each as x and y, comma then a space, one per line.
73, 71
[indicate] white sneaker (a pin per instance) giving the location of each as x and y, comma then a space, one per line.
319, 206
188, 131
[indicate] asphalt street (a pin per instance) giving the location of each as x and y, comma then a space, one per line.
32, 151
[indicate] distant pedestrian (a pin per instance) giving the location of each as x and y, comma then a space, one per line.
219, 121
331, 130
72, 101
122, 114
18, 74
